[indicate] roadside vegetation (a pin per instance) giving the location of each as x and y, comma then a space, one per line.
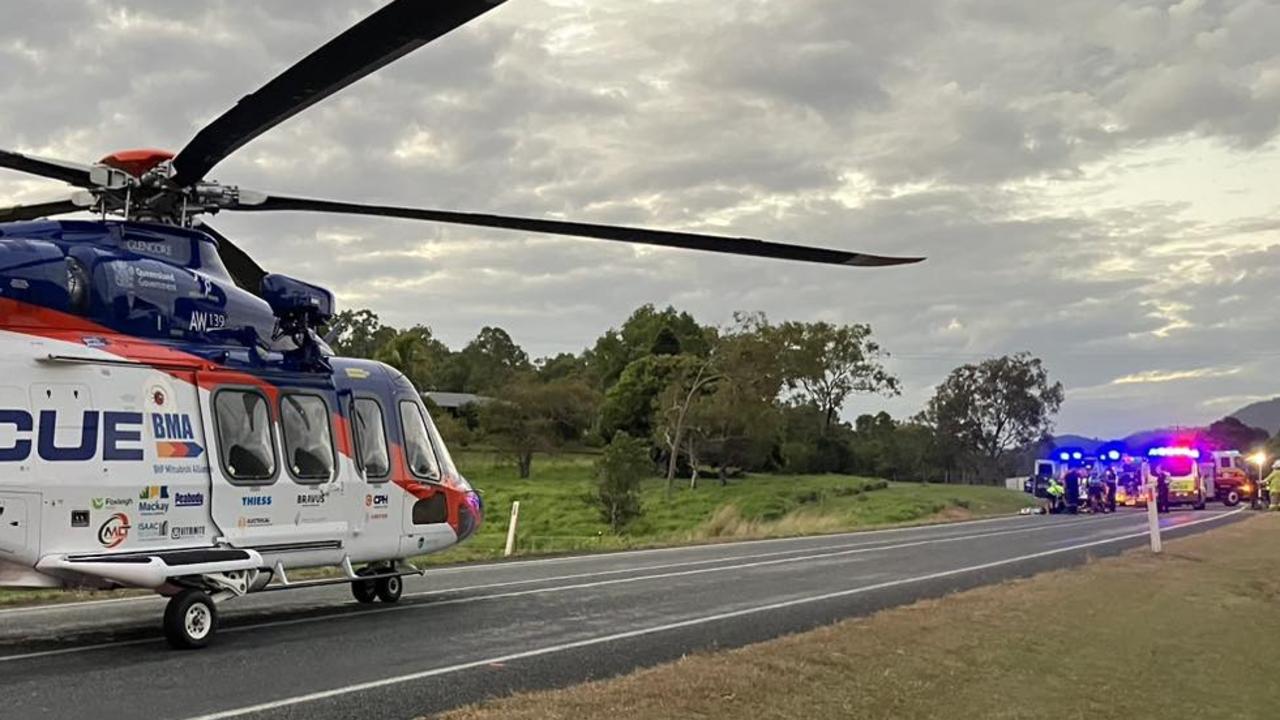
559, 511
1187, 634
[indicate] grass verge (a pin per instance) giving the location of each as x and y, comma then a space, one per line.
557, 515
1188, 634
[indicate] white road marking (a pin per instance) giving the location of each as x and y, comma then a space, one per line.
538, 591
702, 620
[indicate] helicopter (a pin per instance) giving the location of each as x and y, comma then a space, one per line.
171, 417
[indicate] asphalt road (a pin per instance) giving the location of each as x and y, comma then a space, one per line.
468, 633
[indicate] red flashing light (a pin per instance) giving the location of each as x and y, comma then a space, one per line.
136, 162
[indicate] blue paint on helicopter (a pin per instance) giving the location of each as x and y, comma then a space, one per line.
157, 282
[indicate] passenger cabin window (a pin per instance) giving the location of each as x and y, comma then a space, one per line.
371, 438
308, 440
244, 436
417, 443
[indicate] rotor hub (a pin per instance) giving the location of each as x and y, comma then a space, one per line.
137, 162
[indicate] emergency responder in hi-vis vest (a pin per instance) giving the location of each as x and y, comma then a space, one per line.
1055, 492
1271, 487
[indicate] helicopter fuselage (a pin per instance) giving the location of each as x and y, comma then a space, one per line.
151, 434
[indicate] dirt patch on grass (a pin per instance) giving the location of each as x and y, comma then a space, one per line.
1194, 633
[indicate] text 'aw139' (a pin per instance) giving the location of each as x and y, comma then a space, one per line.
170, 418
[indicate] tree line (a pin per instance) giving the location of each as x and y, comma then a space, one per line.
701, 400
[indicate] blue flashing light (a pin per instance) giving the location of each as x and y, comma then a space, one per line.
1113, 454
1077, 455
1064, 456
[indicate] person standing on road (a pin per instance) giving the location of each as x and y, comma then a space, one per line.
1072, 483
1271, 487
1162, 491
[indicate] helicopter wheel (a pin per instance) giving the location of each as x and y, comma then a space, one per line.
190, 620
389, 589
364, 591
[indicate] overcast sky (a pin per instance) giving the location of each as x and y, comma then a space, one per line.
1092, 181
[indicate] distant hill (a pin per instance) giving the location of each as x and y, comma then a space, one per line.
1071, 441
1264, 414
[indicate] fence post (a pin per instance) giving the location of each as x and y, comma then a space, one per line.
511, 529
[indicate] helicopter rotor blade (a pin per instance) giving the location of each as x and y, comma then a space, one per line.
692, 241
392, 32
40, 210
244, 270
68, 172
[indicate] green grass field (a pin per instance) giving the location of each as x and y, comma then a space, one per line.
556, 514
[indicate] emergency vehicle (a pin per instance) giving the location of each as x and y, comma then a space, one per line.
1229, 476
1180, 467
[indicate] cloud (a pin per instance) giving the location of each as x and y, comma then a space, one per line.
1090, 180
1167, 376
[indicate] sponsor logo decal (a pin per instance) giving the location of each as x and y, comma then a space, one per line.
186, 532
312, 499
79, 518
109, 503
175, 436
188, 499
376, 501
148, 530
94, 341
248, 522
153, 500
150, 247
114, 531
255, 501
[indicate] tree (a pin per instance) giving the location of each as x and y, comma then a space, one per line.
826, 364
630, 404
1230, 433
995, 406
415, 353
687, 387
487, 363
739, 422
619, 472
530, 416
358, 333
648, 331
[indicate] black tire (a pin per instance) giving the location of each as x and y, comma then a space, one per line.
364, 591
389, 589
190, 620
1199, 504
1232, 499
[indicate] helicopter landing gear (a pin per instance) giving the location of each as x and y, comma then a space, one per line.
381, 586
190, 619
389, 589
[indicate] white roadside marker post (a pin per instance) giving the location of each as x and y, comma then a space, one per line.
511, 529
1153, 514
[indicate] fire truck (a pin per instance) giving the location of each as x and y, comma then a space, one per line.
1228, 477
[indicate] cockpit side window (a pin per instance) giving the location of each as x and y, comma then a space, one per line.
246, 443
308, 438
371, 439
417, 442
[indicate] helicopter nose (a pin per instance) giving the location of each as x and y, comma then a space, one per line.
470, 515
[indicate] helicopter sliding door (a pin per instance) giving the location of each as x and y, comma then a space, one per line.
277, 484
